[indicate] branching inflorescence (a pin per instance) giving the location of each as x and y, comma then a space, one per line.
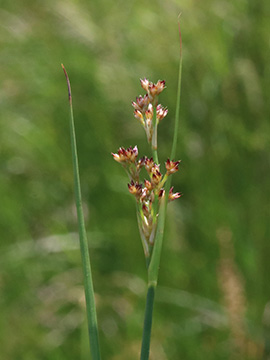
149, 192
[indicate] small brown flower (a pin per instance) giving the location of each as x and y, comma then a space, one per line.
173, 196
171, 166
161, 193
161, 112
145, 210
139, 116
135, 189
144, 84
156, 175
148, 185
149, 112
148, 164
156, 89
140, 163
120, 156
126, 155
132, 153
149, 129
141, 103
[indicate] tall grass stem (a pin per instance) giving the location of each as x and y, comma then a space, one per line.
178, 97
148, 322
87, 273
156, 255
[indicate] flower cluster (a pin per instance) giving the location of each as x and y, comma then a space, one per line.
150, 191
148, 111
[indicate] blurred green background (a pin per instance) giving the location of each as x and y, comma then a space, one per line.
214, 291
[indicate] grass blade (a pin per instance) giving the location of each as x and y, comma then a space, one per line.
87, 273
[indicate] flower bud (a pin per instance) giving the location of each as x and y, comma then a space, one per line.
161, 112
173, 196
148, 185
149, 112
135, 189
171, 166
144, 84
156, 89
139, 116
141, 103
126, 155
148, 164
161, 193
156, 176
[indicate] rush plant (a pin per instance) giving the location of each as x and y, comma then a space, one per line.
151, 195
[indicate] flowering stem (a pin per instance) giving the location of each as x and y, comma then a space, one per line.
156, 254
152, 282
87, 274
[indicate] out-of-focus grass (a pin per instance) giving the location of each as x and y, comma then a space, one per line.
224, 144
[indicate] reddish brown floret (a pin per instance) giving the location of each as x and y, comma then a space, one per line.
172, 166
130, 154
144, 84
148, 164
174, 196
135, 189
161, 112
156, 89
141, 103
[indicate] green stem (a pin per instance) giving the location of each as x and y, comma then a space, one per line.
155, 154
154, 139
155, 258
178, 98
87, 273
148, 322
156, 254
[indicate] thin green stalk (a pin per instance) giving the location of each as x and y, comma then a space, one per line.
148, 322
154, 139
87, 273
178, 98
155, 258
155, 154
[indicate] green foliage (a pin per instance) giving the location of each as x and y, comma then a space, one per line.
224, 139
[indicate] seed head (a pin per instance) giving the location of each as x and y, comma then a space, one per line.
126, 155
171, 166
145, 210
139, 116
161, 112
141, 103
155, 89
144, 84
148, 185
148, 164
149, 112
161, 193
135, 189
173, 196
156, 175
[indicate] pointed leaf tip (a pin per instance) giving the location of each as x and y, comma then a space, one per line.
68, 84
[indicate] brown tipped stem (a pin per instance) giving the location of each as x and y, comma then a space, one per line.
86, 266
68, 85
